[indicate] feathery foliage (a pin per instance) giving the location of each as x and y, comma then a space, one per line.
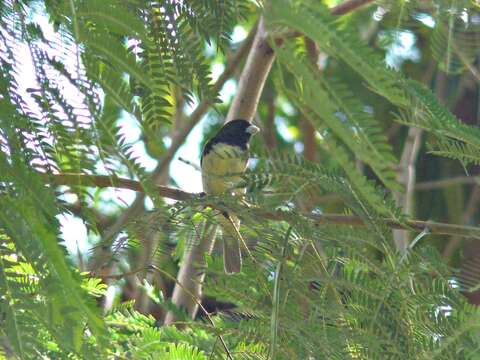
77, 78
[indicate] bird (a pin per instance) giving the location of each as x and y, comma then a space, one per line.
224, 158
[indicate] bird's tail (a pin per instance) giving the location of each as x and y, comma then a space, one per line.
232, 256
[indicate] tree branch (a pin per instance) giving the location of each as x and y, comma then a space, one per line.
338, 219
258, 65
199, 304
407, 167
348, 6
244, 106
443, 183
103, 181
268, 128
406, 177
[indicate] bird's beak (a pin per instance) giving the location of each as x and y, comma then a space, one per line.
252, 129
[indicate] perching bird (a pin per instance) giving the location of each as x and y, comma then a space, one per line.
224, 157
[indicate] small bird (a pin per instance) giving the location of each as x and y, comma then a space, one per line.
224, 157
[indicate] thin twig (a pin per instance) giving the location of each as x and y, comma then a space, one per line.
468, 63
341, 9
443, 183
122, 275
189, 163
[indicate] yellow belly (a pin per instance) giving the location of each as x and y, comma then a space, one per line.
217, 169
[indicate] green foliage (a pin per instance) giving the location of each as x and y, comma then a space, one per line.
136, 337
314, 100
455, 39
339, 42
308, 290
454, 138
43, 310
350, 303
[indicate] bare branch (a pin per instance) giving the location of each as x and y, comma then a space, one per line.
268, 128
104, 181
308, 130
412, 225
190, 277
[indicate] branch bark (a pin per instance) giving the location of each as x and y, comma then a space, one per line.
268, 129
308, 130
103, 181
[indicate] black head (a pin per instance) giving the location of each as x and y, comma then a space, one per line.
236, 133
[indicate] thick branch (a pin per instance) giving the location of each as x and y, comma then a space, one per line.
181, 134
104, 181
258, 65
